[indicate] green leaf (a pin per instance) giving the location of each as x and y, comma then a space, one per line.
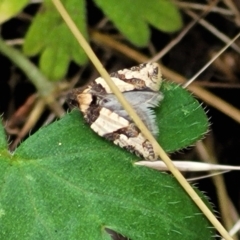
162, 14
66, 182
10, 8
181, 119
132, 18
49, 67
50, 36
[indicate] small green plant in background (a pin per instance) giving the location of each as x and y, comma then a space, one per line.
49, 36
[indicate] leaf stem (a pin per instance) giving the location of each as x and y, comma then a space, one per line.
43, 86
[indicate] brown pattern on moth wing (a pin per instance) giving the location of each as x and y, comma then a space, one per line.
148, 72
72, 99
149, 148
87, 100
144, 76
133, 150
139, 144
80, 97
130, 131
122, 86
151, 156
108, 122
131, 139
92, 114
97, 88
138, 84
111, 136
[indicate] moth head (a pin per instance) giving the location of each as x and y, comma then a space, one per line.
71, 99
152, 74
154, 71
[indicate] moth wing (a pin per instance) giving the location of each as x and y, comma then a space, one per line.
108, 122
142, 102
141, 77
122, 132
137, 144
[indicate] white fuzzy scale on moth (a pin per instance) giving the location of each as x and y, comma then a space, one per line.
140, 86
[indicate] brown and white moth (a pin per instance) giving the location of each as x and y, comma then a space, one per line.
106, 116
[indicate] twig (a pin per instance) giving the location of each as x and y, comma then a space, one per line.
211, 61
214, 31
203, 7
29, 124
224, 202
180, 36
45, 88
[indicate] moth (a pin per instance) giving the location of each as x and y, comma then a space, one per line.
140, 86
